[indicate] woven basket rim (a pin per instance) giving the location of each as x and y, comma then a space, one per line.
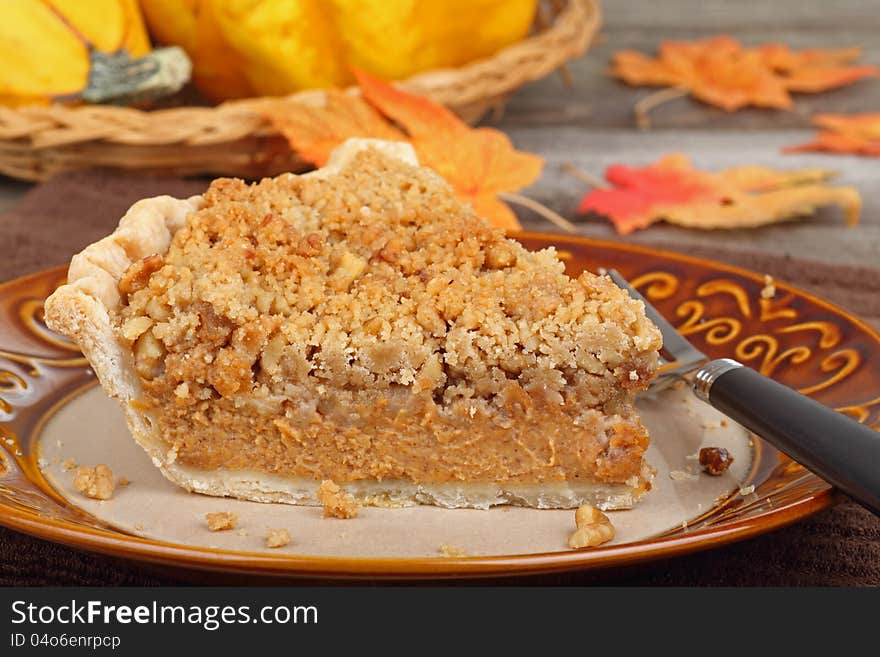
234, 138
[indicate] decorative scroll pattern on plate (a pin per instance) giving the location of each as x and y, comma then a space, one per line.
722, 313
25, 376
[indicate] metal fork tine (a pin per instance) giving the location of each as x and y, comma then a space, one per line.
683, 356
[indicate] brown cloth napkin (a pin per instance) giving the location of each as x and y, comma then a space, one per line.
836, 547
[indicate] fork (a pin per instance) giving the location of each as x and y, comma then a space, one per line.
835, 447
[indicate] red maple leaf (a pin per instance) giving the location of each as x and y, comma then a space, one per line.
672, 190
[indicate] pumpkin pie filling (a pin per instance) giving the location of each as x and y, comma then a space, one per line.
367, 327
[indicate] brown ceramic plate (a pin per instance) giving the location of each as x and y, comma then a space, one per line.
49, 403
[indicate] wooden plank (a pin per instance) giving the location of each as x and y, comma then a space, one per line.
823, 237
742, 15
598, 100
592, 124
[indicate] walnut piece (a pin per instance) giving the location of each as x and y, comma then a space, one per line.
337, 503
221, 521
350, 266
715, 460
136, 327
148, 355
96, 482
593, 528
138, 274
277, 538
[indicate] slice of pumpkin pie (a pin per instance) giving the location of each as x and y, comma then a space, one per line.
360, 324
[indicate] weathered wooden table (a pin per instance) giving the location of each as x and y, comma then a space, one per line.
591, 124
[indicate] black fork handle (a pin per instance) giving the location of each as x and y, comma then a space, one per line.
842, 451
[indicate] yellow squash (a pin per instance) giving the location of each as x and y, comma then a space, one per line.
192, 25
44, 44
398, 38
271, 47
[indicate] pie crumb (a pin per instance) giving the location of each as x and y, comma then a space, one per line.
277, 538
122, 481
221, 521
452, 551
95, 482
337, 503
715, 460
769, 289
593, 528
68, 464
681, 475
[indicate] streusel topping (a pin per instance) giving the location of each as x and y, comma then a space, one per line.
374, 278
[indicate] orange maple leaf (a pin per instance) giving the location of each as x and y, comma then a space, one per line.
479, 163
858, 134
716, 70
672, 190
813, 71
723, 73
317, 130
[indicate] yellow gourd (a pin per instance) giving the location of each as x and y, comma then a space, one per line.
192, 25
44, 44
398, 38
272, 47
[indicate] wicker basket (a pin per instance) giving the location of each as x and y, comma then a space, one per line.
234, 139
